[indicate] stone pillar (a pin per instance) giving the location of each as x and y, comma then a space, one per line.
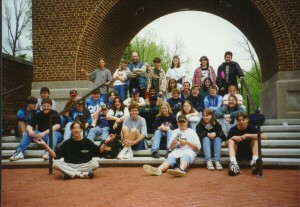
280, 96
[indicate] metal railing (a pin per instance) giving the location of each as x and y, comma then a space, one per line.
62, 112
250, 102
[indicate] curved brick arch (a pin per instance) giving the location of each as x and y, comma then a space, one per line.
266, 30
69, 36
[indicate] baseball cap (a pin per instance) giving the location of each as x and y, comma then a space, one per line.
135, 91
73, 93
104, 107
80, 102
182, 118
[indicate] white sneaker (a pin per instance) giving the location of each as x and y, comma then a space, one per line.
122, 153
152, 170
218, 166
129, 154
46, 156
209, 165
17, 156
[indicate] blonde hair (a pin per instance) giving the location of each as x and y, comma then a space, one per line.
167, 105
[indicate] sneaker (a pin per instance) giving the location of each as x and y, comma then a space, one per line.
66, 176
209, 165
129, 154
46, 156
254, 167
233, 169
152, 170
17, 156
218, 166
122, 153
86, 175
155, 155
177, 172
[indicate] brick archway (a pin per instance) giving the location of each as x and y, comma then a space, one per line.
80, 34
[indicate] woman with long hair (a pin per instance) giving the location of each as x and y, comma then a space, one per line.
176, 72
210, 134
191, 114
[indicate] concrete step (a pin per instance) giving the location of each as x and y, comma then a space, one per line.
13, 139
271, 152
281, 128
139, 161
283, 135
282, 122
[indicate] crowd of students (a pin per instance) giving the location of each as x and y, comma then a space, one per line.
146, 100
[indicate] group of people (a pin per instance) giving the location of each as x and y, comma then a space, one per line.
181, 116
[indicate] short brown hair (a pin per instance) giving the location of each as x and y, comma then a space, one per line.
47, 100
31, 100
242, 114
175, 90
134, 106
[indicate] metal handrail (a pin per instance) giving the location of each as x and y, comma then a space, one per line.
257, 112
12, 90
62, 112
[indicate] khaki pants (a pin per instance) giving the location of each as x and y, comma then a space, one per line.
75, 169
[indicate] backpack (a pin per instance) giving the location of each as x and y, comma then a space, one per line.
112, 149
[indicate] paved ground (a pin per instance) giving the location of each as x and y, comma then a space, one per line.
130, 186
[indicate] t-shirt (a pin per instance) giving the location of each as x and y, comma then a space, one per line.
140, 102
42, 120
204, 74
101, 76
234, 131
77, 152
118, 114
139, 124
93, 105
155, 81
176, 73
189, 135
122, 73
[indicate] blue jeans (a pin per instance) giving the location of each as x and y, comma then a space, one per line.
121, 89
157, 138
193, 124
173, 161
97, 131
216, 143
104, 98
26, 140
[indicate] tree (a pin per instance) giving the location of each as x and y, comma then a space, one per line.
148, 49
253, 78
16, 20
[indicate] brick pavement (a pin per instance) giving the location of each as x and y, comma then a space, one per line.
130, 186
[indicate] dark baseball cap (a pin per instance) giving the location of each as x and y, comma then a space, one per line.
135, 91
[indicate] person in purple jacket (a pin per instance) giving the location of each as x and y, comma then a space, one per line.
24, 115
163, 126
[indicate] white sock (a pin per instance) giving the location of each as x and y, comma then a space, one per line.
233, 159
254, 157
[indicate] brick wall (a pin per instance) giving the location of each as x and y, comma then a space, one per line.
70, 35
15, 72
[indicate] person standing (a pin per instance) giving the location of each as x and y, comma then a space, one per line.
120, 78
176, 72
157, 78
99, 76
227, 73
137, 75
204, 71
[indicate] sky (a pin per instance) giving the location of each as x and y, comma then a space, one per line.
203, 34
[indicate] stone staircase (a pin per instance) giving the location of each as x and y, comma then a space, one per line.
281, 150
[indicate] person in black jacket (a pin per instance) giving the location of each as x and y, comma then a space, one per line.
77, 153
210, 134
227, 73
163, 126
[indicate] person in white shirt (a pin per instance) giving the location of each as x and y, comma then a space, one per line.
176, 72
135, 98
120, 77
184, 144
